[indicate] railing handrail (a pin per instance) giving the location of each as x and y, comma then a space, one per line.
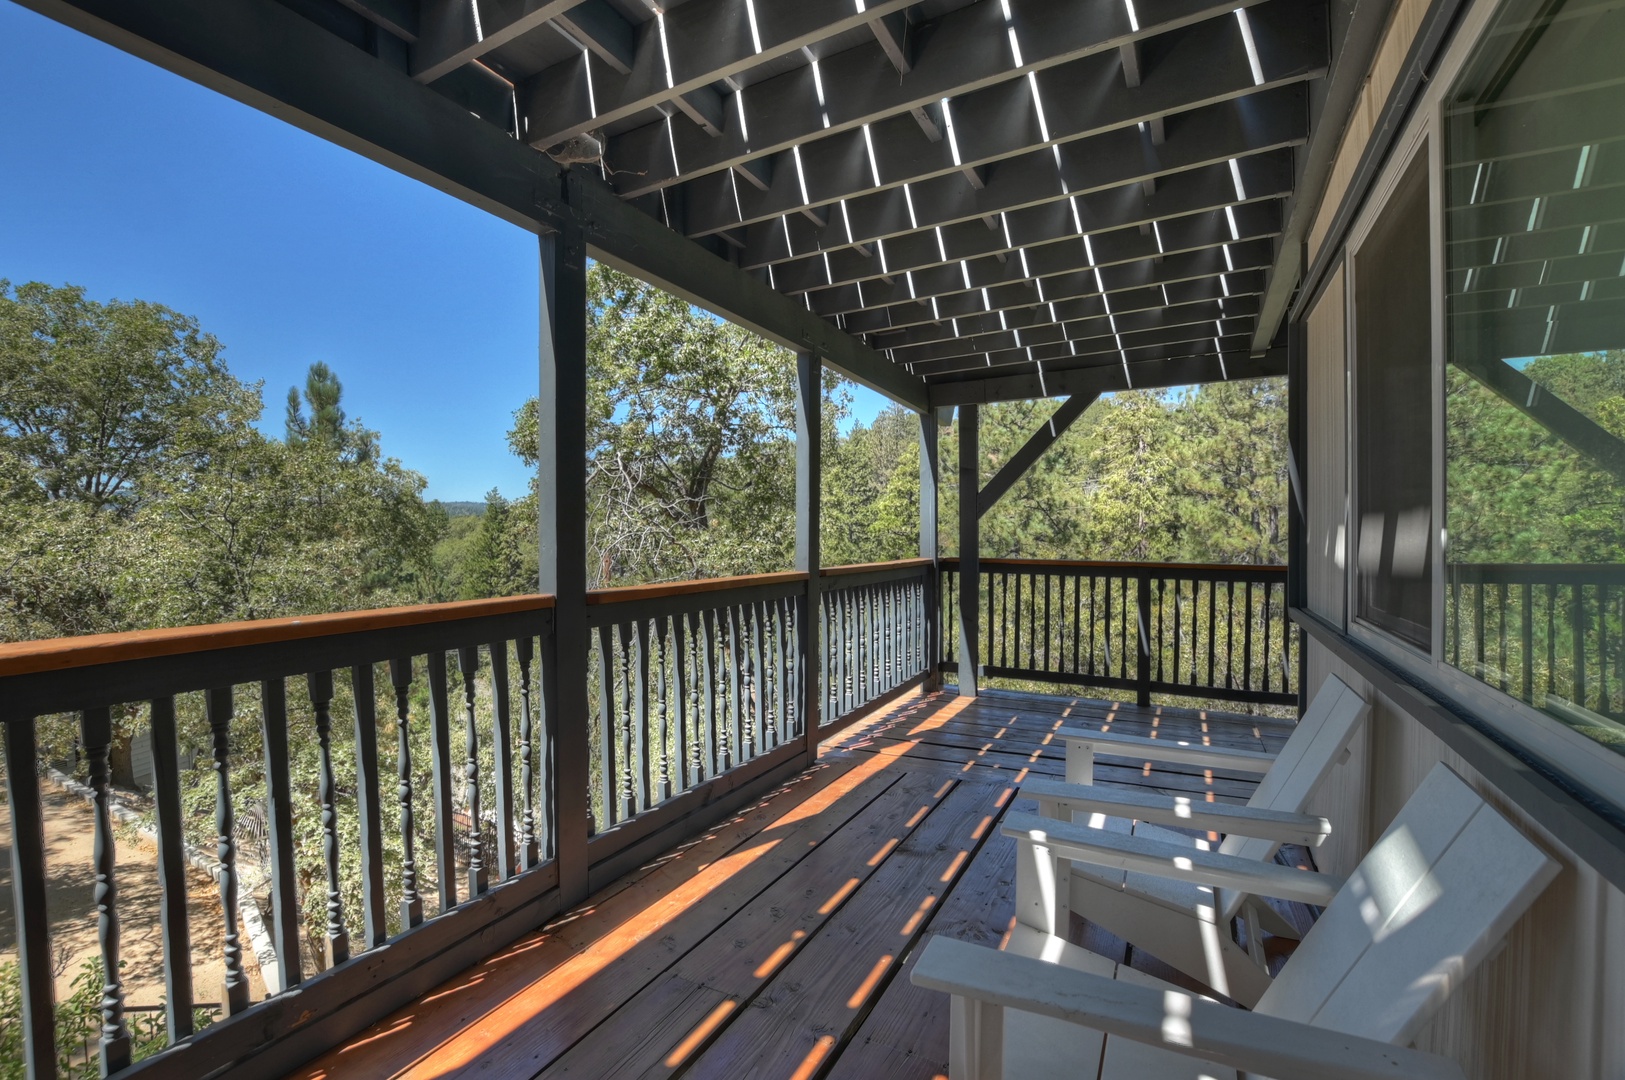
875, 567
91, 650
952, 563
622, 594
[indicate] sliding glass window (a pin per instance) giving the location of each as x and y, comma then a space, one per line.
1534, 440
1393, 396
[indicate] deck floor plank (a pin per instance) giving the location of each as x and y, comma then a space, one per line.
778, 943
819, 997
728, 957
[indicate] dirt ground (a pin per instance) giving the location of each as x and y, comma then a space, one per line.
69, 837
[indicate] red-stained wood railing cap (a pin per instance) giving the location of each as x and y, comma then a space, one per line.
59, 654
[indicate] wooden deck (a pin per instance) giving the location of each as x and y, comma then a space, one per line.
778, 944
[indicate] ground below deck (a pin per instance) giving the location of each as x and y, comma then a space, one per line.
778, 944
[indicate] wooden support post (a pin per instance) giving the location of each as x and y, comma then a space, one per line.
562, 512
970, 544
1142, 671
809, 488
929, 470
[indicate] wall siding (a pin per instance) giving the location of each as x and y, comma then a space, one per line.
1549, 1004
1326, 426
1385, 71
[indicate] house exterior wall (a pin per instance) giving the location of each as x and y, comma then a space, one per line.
1551, 1003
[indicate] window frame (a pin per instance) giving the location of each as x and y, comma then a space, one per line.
1587, 764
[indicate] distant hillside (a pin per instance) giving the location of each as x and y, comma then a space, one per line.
464, 509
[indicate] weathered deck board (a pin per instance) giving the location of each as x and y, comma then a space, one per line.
778, 944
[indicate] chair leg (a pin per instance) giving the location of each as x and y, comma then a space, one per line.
975, 1040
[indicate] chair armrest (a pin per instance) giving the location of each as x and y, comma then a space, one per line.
1056, 798
1178, 751
1171, 1019
1119, 851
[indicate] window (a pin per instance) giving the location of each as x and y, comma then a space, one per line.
1534, 412
1393, 392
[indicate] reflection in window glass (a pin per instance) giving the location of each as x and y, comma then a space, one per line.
1393, 365
1535, 387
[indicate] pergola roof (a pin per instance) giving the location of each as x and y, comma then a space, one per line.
952, 200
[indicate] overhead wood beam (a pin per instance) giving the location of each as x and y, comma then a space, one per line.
706, 40
603, 30
1106, 378
891, 34
1052, 429
889, 307
964, 57
1128, 304
1193, 337
1189, 209
399, 17
991, 125
1257, 124
1033, 327
1129, 56
266, 55
452, 33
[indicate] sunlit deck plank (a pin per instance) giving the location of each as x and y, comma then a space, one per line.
778, 943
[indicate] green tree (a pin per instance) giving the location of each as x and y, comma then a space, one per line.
326, 425
98, 399
690, 439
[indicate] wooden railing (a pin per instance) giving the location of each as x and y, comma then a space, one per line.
1200, 631
1550, 634
697, 695
876, 632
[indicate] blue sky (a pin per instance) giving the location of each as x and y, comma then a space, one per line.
134, 183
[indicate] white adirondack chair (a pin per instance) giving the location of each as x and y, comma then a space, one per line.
1185, 924
1429, 902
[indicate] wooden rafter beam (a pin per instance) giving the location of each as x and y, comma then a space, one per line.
1126, 304
1256, 124
1194, 336
705, 41
1188, 211
964, 53
889, 307
1107, 378
452, 33
1034, 327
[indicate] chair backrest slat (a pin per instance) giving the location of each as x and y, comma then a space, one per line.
1430, 900
1309, 755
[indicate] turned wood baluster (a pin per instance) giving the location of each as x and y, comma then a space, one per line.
608, 738
96, 732
234, 986
400, 675
502, 759
468, 663
374, 924
320, 684
529, 847
172, 920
